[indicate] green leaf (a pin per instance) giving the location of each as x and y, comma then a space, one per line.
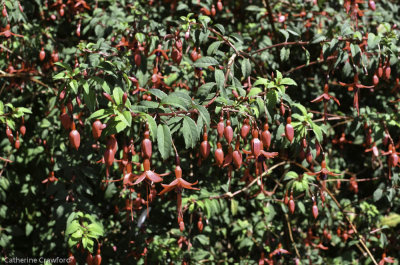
174, 101
285, 53
72, 227
117, 95
205, 62
290, 175
190, 133
220, 28
284, 33
234, 206
152, 126
254, 91
262, 81
219, 78
373, 40
204, 90
288, 82
318, 38
318, 132
164, 140
378, 194
73, 84
204, 114
140, 37
64, 65
96, 229
125, 117
246, 68
213, 47
158, 93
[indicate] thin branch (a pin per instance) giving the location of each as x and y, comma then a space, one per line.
360, 238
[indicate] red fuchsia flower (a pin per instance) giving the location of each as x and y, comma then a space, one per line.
326, 97
386, 259
393, 158
374, 150
7, 32
179, 183
278, 251
323, 173
355, 86
148, 174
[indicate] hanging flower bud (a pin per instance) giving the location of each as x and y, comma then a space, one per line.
256, 145
318, 149
291, 204
244, 131
219, 5
388, 71
146, 146
74, 137
219, 155
237, 155
282, 108
371, 5
289, 132
10, 135
17, 142
220, 127
200, 224
97, 258
4, 12
97, 127
266, 136
228, 132
315, 210
89, 259
309, 157
42, 55
213, 10
375, 80
109, 156
22, 129
205, 146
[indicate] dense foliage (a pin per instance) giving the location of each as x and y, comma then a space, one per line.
275, 122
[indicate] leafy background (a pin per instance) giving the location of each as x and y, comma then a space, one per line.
94, 48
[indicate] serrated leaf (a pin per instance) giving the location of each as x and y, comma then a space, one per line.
254, 91
213, 47
284, 54
158, 93
152, 126
164, 140
234, 206
318, 39
73, 84
190, 133
96, 229
288, 81
378, 194
219, 78
261, 81
64, 65
174, 101
246, 68
318, 132
204, 90
72, 227
284, 33
205, 62
204, 114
